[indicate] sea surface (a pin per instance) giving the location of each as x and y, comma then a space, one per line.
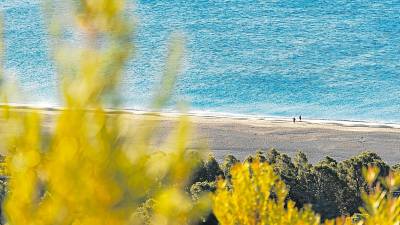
322, 59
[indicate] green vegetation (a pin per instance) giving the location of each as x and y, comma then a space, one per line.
332, 188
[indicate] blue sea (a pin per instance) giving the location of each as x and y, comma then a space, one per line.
336, 59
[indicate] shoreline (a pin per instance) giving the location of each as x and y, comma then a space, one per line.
232, 117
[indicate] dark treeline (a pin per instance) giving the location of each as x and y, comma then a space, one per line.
332, 188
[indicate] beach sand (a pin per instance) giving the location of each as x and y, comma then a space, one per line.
316, 140
244, 136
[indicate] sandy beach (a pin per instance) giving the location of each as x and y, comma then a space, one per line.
241, 136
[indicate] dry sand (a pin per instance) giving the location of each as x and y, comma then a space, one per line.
244, 136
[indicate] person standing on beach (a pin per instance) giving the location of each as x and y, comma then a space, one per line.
300, 117
294, 119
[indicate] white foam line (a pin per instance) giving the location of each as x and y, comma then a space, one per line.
216, 115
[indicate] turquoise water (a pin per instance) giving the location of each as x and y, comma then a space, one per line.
334, 59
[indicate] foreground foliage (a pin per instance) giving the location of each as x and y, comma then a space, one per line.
92, 167
332, 188
255, 195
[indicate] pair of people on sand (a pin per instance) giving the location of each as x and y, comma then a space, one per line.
294, 119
